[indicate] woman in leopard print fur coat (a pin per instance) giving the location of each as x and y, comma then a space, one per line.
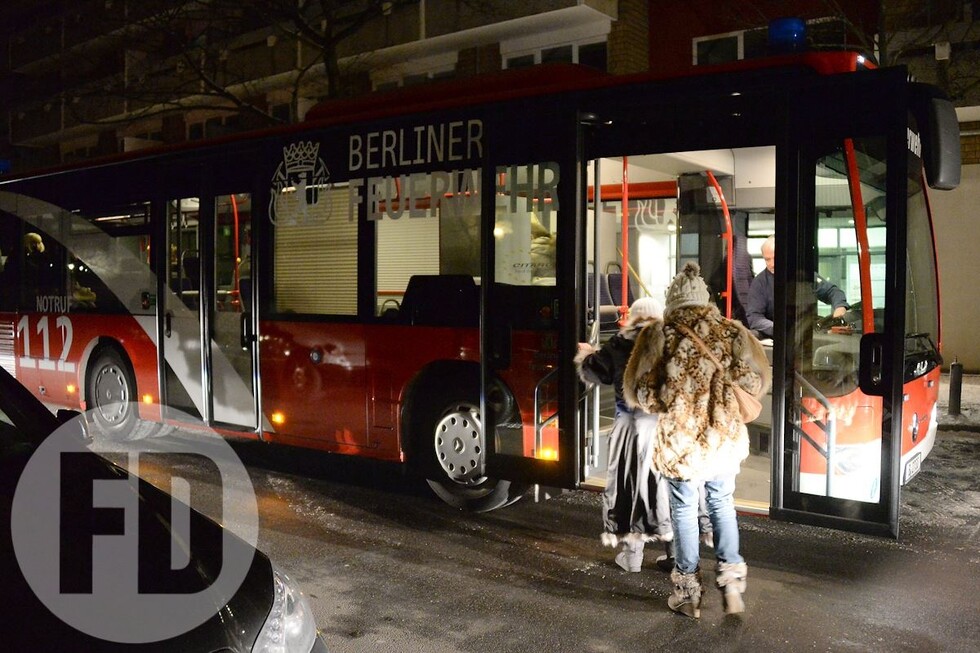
700, 435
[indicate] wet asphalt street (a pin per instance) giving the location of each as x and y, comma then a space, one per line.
388, 567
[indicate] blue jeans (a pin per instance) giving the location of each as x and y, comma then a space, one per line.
721, 510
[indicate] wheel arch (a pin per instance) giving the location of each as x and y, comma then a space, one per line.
438, 382
94, 347
429, 386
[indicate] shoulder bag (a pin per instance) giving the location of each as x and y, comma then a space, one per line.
749, 407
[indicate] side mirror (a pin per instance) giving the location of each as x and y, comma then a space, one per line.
940, 131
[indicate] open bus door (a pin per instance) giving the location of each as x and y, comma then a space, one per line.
526, 283
838, 382
820, 161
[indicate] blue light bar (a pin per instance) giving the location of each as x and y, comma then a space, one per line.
787, 35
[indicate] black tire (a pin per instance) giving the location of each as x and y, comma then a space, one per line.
455, 435
111, 397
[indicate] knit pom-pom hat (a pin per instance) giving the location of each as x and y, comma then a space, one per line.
645, 308
687, 289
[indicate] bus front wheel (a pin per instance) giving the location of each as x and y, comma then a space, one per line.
458, 448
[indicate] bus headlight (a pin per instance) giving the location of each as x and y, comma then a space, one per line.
290, 627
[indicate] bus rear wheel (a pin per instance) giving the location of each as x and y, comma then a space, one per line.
110, 394
457, 445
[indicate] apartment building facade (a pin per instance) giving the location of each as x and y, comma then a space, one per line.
87, 78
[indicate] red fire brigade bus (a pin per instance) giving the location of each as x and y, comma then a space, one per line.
405, 276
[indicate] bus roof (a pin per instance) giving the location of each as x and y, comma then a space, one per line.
546, 79
498, 86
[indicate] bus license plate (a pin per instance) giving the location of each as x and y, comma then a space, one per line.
912, 467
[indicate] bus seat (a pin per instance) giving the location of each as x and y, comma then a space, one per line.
190, 282
390, 310
742, 276
608, 311
441, 300
245, 293
192, 272
615, 281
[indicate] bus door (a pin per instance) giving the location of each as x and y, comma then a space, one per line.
839, 273
665, 209
207, 346
532, 187
180, 347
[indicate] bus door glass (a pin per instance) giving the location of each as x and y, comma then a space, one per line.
207, 299
522, 309
528, 286
231, 341
181, 309
842, 429
838, 445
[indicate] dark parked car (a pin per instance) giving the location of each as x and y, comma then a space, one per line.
265, 612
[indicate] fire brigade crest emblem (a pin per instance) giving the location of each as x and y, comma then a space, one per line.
297, 185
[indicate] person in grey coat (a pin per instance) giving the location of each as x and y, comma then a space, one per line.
631, 513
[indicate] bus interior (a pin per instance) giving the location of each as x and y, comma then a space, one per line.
717, 207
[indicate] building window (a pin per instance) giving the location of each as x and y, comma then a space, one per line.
722, 48
79, 154
415, 72
564, 54
828, 32
593, 55
523, 61
415, 80
214, 126
589, 54
281, 112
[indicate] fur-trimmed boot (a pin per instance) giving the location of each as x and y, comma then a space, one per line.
731, 581
630, 558
686, 598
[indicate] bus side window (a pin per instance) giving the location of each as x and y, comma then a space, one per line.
315, 253
43, 272
429, 251
9, 276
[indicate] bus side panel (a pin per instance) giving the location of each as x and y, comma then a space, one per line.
339, 386
919, 422
53, 353
313, 383
399, 358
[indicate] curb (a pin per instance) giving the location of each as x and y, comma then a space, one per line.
971, 428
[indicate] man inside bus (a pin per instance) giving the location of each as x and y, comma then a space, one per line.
39, 272
760, 308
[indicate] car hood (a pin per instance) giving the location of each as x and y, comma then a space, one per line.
28, 624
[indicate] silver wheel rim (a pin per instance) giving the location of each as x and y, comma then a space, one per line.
111, 394
459, 445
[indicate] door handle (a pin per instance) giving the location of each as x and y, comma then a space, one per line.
247, 336
871, 364
168, 323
